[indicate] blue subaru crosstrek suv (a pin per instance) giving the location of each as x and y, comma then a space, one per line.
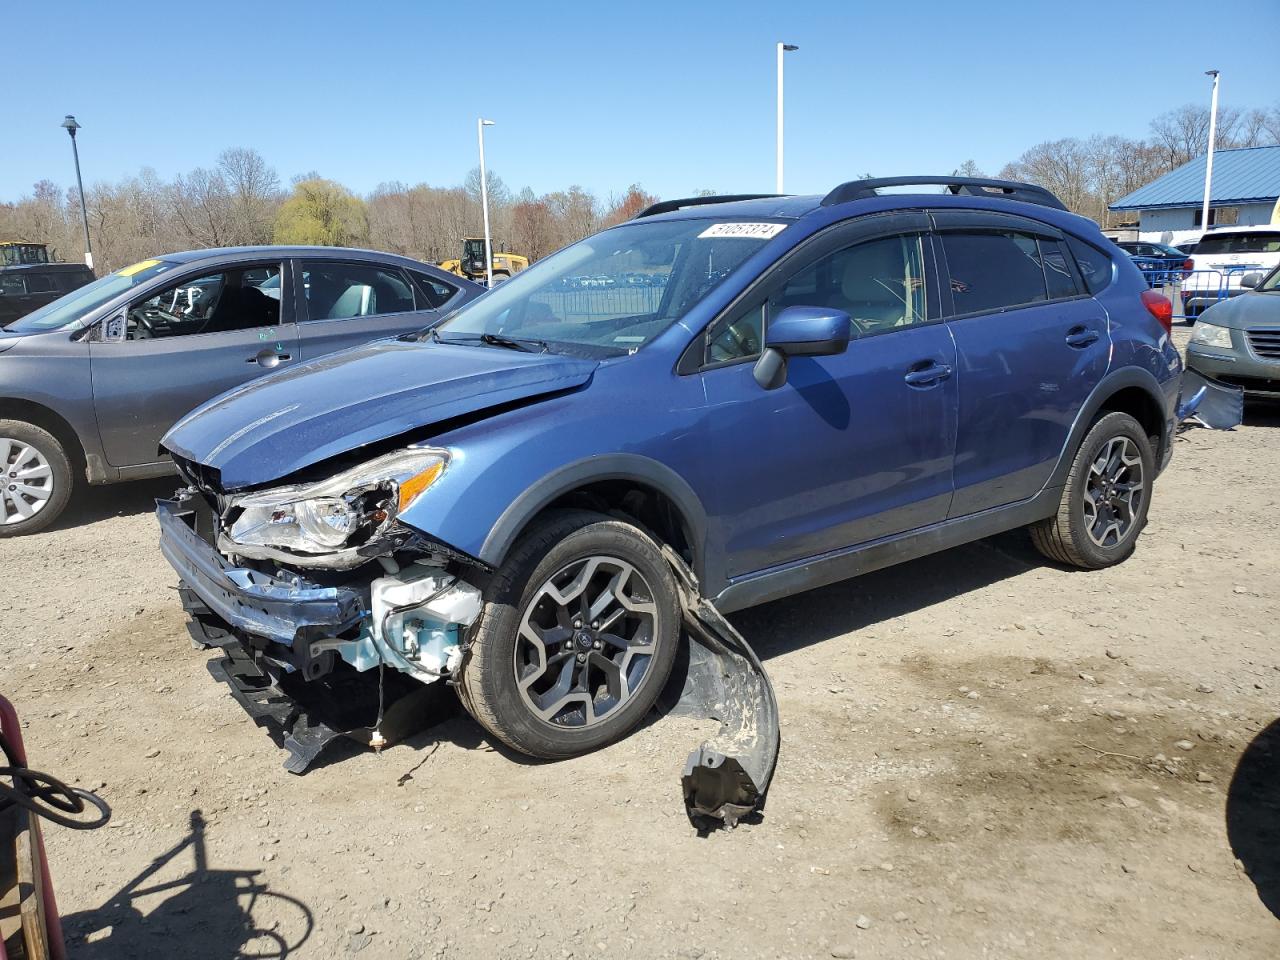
527, 499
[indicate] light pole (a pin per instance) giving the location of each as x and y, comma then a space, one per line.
782, 49
1208, 160
69, 124
484, 203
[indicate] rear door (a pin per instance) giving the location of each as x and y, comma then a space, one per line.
852, 447
1031, 345
346, 303
171, 351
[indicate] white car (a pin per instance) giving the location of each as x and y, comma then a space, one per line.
1222, 258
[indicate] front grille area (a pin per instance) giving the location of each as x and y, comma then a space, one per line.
1265, 343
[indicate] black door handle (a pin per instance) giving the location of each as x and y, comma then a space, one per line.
927, 373
1081, 337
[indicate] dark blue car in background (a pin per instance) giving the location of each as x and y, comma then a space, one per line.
821, 386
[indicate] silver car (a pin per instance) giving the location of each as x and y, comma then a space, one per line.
1237, 341
90, 382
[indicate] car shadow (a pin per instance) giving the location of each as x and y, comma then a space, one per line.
773, 629
1253, 815
91, 504
789, 624
206, 914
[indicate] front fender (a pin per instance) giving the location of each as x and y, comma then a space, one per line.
613, 466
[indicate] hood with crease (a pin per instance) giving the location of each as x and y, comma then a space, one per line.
272, 427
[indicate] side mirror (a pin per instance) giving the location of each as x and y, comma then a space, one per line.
1251, 279
800, 332
113, 328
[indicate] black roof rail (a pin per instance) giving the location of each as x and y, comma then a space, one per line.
666, 206
969, 186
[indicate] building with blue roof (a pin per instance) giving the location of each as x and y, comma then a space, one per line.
1245, 191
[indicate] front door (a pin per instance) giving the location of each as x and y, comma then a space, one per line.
1031, 343
201, 336
852, 447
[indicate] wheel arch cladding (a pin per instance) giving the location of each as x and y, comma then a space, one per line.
38, 415
1130, 390
644, 490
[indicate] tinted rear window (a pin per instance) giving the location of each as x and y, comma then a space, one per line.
990, 271
1095, 266
1263, 241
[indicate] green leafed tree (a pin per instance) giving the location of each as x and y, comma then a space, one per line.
323, 213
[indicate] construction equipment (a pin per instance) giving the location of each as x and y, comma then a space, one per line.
471, 264
17, 253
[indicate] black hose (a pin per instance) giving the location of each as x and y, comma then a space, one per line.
47, 796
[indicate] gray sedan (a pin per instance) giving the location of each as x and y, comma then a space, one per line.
90, 382
1237, 341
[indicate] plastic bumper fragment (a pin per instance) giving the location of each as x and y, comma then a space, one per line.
1208, 403
727, 777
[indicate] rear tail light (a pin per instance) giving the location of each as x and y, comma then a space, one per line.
1187, 266
1160, 307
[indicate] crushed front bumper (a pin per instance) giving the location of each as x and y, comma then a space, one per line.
284, 611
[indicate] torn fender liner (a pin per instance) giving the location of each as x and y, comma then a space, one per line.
727, 777
1208, 403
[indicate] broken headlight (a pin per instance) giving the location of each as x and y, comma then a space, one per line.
343, 511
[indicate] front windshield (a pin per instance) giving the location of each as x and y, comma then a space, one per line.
1271, 282
70, 308
612, 293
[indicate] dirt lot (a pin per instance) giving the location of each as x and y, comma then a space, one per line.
983, 756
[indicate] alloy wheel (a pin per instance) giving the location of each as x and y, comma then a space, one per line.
26, 481
585, 642
1113, 492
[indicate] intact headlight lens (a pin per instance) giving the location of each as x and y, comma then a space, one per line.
1211, 335
340, 512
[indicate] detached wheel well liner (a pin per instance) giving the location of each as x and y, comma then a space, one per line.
642, 490
48, 419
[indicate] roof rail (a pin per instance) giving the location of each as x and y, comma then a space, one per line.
969, 186
666, 206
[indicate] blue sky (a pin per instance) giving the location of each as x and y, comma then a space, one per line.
675, 96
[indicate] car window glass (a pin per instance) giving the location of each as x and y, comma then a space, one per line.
879, 283
1095, 266
212, 303
993, 271
1258, 241
736, 336
432, 293
341, 291
1057, 269
39, 283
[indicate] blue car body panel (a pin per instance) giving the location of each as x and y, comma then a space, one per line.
846, 455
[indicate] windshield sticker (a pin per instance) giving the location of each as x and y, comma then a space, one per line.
137, 268
745, 231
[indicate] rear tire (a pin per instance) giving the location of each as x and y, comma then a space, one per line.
35, 478
546, 687
1105, 500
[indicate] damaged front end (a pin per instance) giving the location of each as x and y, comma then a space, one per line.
333, 619
297, 646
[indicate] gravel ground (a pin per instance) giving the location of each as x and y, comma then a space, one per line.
983, 756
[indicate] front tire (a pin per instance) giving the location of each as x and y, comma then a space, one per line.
35, 478
1105, 501
577, 639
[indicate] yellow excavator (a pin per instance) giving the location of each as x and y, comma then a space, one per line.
471, 264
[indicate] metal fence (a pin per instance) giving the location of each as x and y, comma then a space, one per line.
595, 303
1195, 291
